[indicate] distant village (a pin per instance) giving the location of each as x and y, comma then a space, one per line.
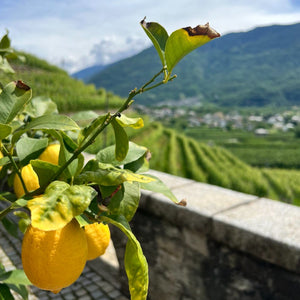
259, 124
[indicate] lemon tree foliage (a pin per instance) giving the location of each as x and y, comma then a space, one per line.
42, 171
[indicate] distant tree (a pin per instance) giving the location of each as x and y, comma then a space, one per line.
297, 132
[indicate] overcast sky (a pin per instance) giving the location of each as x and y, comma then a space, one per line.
75, 34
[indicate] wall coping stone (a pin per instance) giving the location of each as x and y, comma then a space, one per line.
267, 229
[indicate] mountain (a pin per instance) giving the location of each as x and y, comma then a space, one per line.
260, 67
86, 73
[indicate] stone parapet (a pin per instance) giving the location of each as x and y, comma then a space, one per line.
222, 245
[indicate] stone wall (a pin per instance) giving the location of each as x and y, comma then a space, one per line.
222, 245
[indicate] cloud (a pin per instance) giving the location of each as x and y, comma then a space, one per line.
113, 48
79, 33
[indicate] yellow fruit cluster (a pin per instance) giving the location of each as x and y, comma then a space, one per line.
1, 155
30, 178
53, 260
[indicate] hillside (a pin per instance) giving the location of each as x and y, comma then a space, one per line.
50, 81
256, 68
171, 152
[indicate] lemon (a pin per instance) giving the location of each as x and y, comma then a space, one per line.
98, 237
30, 179
53, 260
51, 154
1, 155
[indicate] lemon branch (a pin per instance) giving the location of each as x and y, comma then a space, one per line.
90, 140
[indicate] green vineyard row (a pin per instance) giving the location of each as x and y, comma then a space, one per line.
180, 155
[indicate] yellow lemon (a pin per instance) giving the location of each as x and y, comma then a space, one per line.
53, 260
51, 154
1, 155
98, 237
30, 178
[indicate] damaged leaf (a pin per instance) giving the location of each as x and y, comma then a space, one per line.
184, 40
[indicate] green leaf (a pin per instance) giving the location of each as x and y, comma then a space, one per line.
159, 187
13, 98
5, 131
15, 277
85, 115
40, 106
135, 262
24, 220
70, 145
116, 193
16, 280
5, 42
158, 36
122, 143
59, 205
20, 289
44, 170
82, 220
2, 269
11, 227
29, 148
107, 155
131, 199
108, 175
58, 122
185, 40
130, 122
17, 204
45, 123
5, 293
4, 161
88, 130
125, 201
5, 66
140, 165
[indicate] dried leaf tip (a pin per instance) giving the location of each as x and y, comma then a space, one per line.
21, 85
182, 202
144, 23
202, 30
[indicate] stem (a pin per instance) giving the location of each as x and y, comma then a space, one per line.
107, 121
153, 78
15, 167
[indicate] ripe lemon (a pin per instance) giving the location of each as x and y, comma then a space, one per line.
51, 154
1, 155
53, 260
30, 178
98, 237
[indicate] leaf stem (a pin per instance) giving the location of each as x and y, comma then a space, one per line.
6, 152
4, 199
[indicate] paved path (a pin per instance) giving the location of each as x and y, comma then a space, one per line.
94, 283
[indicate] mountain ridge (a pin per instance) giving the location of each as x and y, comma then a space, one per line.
259, 67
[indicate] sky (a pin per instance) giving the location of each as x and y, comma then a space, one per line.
75, 34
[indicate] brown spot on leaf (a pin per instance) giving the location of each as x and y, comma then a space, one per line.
21, 85
202, 30
145, 24
182, 202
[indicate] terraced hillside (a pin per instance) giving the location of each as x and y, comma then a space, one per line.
171, 152
50, 81
179, 155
